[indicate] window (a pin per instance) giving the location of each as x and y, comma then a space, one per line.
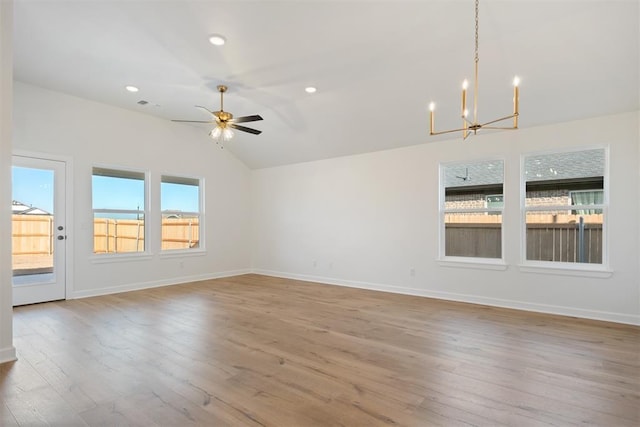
495, 201
119, 211
555, 231
586, 198
471, 209
181, 212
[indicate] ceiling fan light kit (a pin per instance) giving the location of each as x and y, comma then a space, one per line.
225, 122
473, 126
221, 134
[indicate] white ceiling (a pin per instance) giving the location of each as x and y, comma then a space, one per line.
376, 65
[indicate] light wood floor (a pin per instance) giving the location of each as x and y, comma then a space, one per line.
260, 351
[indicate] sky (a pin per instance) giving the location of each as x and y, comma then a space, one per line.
34, 187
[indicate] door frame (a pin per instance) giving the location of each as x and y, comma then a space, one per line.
68, 211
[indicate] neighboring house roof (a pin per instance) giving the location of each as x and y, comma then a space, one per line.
542, 167
18, 208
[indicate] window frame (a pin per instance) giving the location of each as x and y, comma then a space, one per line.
124, 171
200, 214
561, 267
469, 261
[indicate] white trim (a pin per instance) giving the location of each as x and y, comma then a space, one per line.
566, 269
568, 208
70, 227
119, 211
556, 267
156, 284
442, 211
200, 214
103, 258
68, 208
40, 155
146, 211
181, 253
631, 319
473, 210
479, 263
8, 354
170, 212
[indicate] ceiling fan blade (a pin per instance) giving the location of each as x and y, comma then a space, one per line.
194, 121
204, 108
244, 119
244, 129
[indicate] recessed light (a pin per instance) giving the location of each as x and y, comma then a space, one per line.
310, 89
217, 40
131, 88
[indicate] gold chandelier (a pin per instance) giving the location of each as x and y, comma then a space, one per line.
469, 126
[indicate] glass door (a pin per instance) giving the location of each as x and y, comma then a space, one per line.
38, 232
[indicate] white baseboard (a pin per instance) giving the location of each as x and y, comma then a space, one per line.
630, 319
155, 284
7, 354
474, 299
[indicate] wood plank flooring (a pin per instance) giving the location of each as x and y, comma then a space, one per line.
260, 351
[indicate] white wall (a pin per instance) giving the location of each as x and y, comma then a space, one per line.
362, 220
367, 220
7, 351
89, 133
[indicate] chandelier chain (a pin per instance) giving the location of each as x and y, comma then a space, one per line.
476, 58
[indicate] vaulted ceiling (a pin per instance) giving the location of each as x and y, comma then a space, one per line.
376, 65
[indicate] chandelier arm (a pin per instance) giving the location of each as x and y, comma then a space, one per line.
498, 128
498, 120
447, 131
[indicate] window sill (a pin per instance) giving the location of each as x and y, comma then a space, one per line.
476, 263
597, 271
125, 257
181, 253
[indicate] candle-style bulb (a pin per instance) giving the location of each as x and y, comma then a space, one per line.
432, 106
465, 84
516, 81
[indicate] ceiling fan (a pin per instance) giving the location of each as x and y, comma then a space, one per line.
225, 121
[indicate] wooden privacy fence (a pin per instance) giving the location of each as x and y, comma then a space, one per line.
562, 242
473, 240
32, 235
35, 234
180, 233
125, 235
548, 238
117, 235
